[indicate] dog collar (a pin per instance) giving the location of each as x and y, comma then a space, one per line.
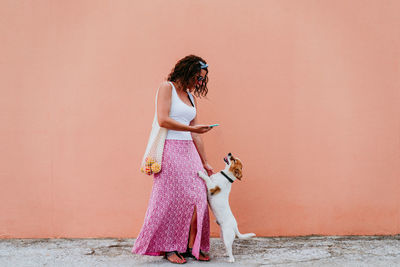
226, 176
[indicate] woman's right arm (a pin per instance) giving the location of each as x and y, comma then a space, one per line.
163, 108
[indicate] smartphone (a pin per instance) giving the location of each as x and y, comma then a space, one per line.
213, 125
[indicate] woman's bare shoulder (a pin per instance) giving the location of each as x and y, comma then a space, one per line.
165, 89
165, 86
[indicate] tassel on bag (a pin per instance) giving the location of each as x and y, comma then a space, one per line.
151, 162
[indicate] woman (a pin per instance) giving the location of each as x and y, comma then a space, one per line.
177, 217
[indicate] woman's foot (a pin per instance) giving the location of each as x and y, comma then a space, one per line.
175, 257
202, 255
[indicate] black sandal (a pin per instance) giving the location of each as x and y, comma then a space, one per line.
170, 253
189, 254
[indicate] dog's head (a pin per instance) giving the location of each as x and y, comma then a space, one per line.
234, 165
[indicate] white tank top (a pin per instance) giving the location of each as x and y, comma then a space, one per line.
182, 113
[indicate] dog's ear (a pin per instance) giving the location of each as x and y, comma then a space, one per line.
236, 168
238, 173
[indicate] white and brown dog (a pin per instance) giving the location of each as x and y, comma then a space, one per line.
219, 187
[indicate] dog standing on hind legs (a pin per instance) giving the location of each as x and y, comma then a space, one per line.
218, 189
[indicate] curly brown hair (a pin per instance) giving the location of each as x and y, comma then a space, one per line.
185, 72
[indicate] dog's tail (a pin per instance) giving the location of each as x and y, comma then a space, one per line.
243, 236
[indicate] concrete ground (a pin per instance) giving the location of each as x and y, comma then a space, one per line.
296, 251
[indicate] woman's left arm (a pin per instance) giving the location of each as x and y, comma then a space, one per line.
198, 142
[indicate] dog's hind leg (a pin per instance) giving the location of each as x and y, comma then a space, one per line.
228, 235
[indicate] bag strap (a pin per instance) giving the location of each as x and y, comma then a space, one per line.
190, 98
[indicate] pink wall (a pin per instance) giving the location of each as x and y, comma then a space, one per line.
306, 92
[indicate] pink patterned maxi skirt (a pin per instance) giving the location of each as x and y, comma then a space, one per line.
177, 190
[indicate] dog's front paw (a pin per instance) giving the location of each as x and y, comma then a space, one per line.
231, 259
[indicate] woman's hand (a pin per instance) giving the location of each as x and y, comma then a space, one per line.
200, 128
208, 168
